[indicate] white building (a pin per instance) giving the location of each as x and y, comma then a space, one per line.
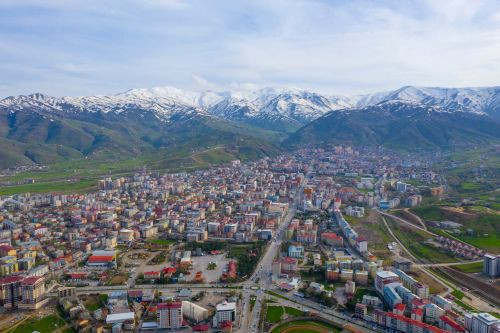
225, 311
194, 312
480, 322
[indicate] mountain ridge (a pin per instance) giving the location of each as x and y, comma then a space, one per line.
42, 128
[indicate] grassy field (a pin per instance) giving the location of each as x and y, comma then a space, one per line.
417, 243
305, 326
65, 186
482, 221
490, 243
275, 312
430, 213
46, 324
458, 294
470, 268
162, 242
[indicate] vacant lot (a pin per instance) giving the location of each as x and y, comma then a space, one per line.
372, 228
474, 267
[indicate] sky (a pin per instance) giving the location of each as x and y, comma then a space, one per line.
84, 47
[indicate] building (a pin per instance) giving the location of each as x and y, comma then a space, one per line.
432, 312
126, 235
402, 264
63, 292
360, 310
390, 294
441, 302
288, 265
448, 324
480, 322
169, 315
384, 277
491, 265
32, 293
332, 239
350, 287
361, 244
102, 259
224, 312
127, 319
194, 312
10, 291
296, 251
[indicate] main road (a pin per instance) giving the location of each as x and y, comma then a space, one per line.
262, 274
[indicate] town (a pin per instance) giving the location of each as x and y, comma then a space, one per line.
312, 236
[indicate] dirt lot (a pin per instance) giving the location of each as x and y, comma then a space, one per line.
373, 230
434, 286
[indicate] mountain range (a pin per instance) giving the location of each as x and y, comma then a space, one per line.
247, 123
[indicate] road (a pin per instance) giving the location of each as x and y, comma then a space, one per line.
399, 219
251, 319
415, 259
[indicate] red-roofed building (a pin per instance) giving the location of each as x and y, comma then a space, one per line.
169, 271
417, 314
399, 309
10, 291
332, 239
169, 315
404, 324
288, 265
450, 325
33, 293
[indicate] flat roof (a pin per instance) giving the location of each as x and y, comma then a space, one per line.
119, 317
226, 306
386, 274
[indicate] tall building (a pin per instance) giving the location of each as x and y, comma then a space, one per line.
384, 277
225, 311
169, 315
10, 294
481, 322
33, 292
491, 265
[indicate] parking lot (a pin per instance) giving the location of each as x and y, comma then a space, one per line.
200, 263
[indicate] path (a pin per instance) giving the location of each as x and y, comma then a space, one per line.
416, 217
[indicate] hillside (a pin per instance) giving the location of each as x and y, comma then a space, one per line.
400, 125
43, 134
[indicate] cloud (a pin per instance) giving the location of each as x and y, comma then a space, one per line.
81, 47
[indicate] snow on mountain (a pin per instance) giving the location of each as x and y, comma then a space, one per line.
255, 106
476, 100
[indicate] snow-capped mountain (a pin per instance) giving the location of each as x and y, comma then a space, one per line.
38, 128
476, 100
282, 109
271, 108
